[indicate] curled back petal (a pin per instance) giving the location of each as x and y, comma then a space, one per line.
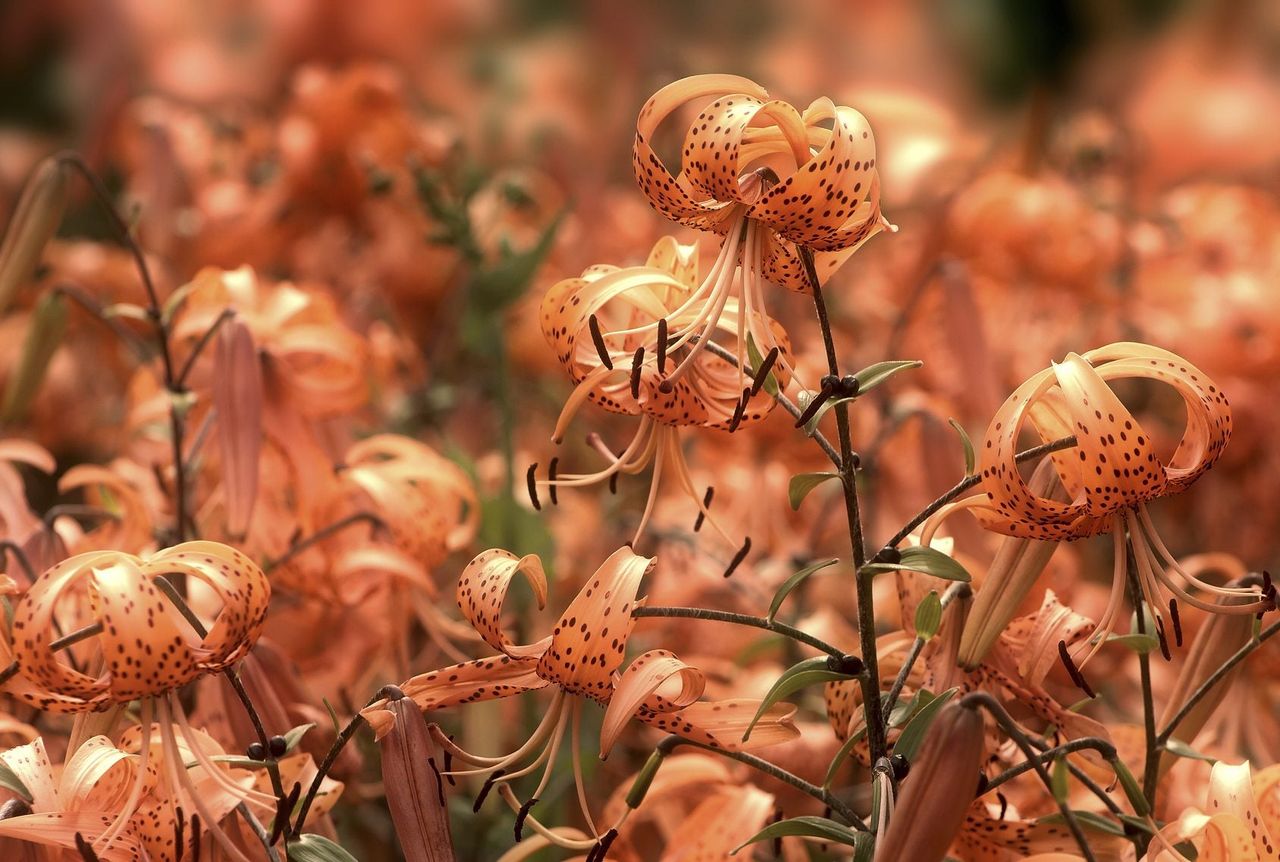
721, 723
588, 644
656, 680
482, 588
483, 679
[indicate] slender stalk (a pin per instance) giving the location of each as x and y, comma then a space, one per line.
914, 653
993, 707
848, 467
741, 620
198, 348
1151, 758
1106, 749
1215, 678
970, 481
344, 736
323, 533
825, 797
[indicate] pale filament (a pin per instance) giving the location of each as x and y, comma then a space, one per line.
491, 764
509, 796
139, 779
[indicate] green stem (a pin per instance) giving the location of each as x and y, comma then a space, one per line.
848, 468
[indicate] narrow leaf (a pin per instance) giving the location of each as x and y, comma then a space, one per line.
970, 459
926, 560
803, 483
9, 780
914, 733
1060, 780
811, 671
873, 375
794, 581
1178, 748
805, 827
294, 736
314, 848
1136, 641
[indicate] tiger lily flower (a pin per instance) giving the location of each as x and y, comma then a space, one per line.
1110, 476
1240, 823
580, 661
147, 650
751, 159
631, 339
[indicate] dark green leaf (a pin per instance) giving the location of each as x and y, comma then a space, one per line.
10, 781
873, 375
914, 733
926, 560
806, 827
794, 581
970, 459
801, 675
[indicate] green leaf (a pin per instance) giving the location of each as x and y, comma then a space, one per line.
1139, 643
801, 484
1089, 820
1060, 780
811, 671
807, 827
10, 781
970, 459
333, 715
928, 616
812, 424
873, 375
238, 761
794, 581
313, 848
914, 733
1178, 748
926, 560
753, 352
841, 756
294, 736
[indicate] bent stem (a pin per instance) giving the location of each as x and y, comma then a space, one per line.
917, 646
996, 711
741, 620
760, 765
848, 468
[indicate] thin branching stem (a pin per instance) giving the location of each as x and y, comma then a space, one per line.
741, 620
1106, 749
917, 646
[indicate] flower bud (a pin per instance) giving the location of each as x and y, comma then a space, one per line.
237, 396
44, 337
936, 796
35, 219
415, 790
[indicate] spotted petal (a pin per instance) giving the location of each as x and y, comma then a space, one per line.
655, 680
588, 643
482, 588
721, 723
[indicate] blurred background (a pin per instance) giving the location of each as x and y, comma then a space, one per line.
1064, 174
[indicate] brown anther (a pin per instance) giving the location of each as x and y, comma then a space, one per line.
762, 373
531, 481
1074, 672
522, 815
484, 791
738, 557
662, 345
706, 504
740, 410
551, 477
598, 339
637, 363
1177, 621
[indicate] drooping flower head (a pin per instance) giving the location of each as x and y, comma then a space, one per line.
628, 337
1104, 483
807, 178
147, 646
580, 661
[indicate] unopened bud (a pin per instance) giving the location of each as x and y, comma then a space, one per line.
237, 397
1017, 565
936, 796
44, 337
415, 793
34, 222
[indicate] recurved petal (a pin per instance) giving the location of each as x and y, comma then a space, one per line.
31, 764
656, 680
1118, 461
59, 829
719, 824
483, 679
482, 588
589, 642
721, 723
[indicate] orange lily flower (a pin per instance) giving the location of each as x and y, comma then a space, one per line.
580, 660
750, 158
1112, 473
147, 649
631, 339
1240, 823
